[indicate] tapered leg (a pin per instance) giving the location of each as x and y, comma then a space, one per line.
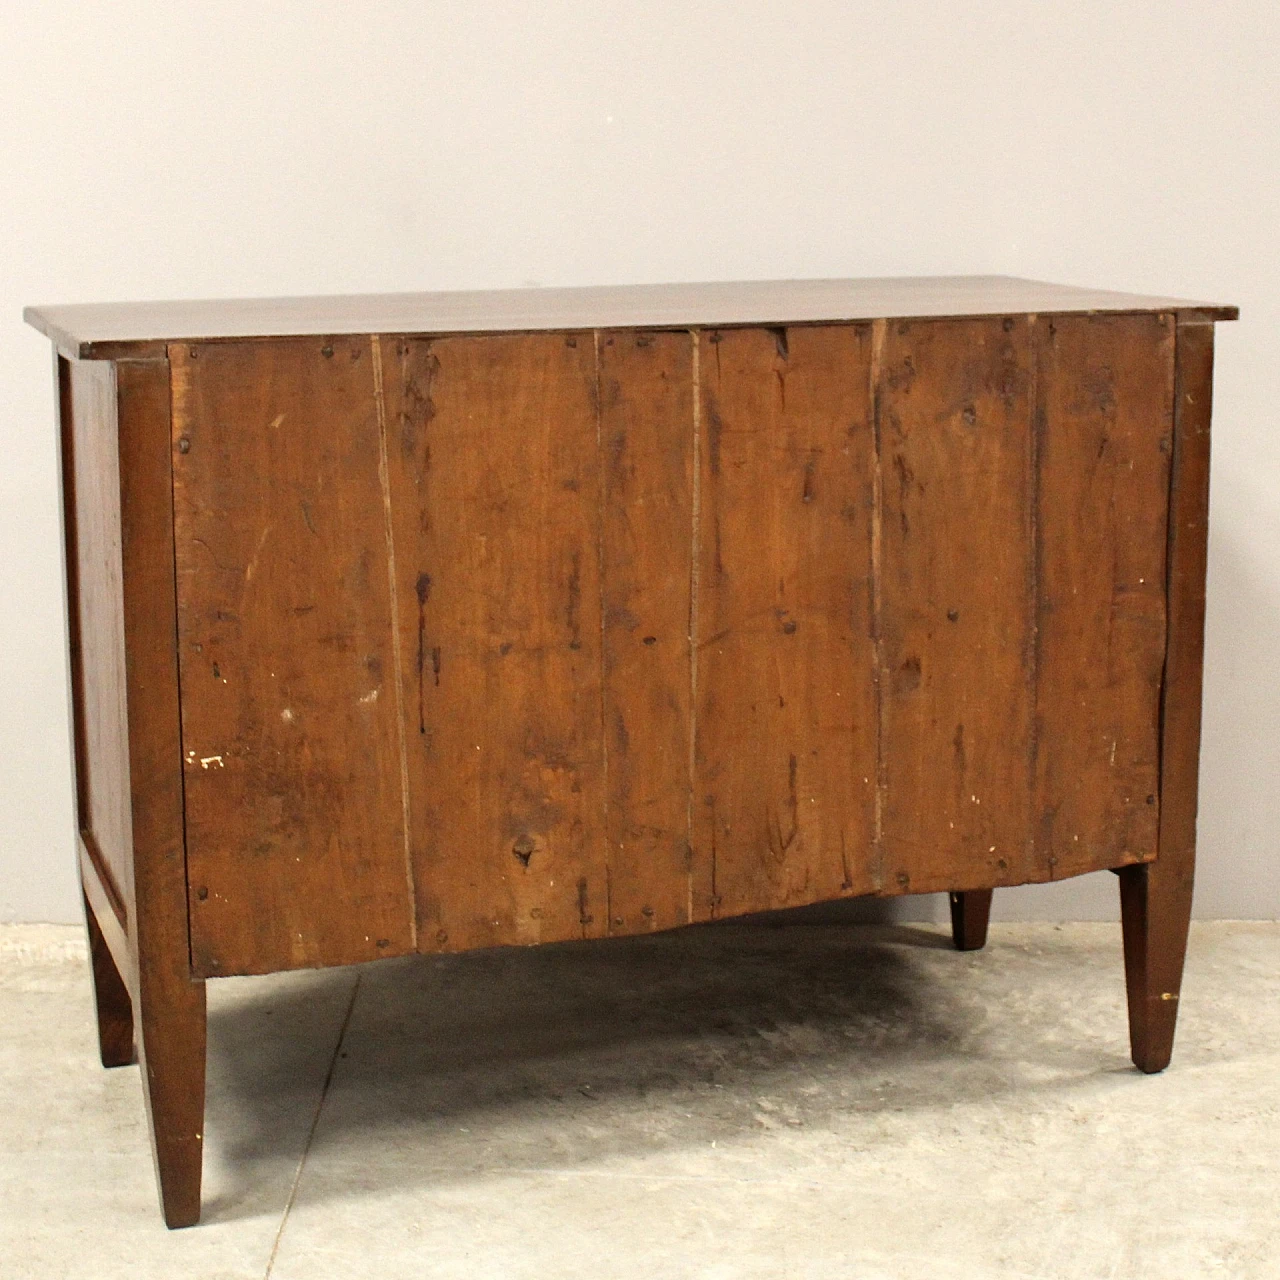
1155, 897
170, 1010
171, 1049
111, 996
1155, 906
970, 912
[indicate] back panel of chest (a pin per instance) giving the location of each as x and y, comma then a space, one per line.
520, 637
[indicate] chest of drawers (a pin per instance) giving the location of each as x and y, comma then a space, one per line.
432, 622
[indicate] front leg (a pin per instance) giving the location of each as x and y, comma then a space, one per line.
1155, 897
171, 1050
1155, 907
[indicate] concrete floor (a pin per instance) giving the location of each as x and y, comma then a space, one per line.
726, 1102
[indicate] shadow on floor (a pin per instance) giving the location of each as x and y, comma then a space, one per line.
578, 1053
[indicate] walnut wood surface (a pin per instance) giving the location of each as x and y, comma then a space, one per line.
384, 642
494, 492
1155, 899
785, 776
169, 1003
647, 492
119, 561
95, 617
111, 999
922, 563
108, 330
954, 407
295, 830
1104, 435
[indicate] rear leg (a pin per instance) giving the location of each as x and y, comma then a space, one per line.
970, 912
111, 996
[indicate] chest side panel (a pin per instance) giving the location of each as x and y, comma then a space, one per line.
91, 475
295, 833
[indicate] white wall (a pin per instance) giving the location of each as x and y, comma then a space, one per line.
162, 150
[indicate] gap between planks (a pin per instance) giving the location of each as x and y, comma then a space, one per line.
601, 507
1035, 440
384, 478
695, 505
878, 328
174, 434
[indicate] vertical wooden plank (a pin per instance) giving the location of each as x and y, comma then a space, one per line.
785, 707
494, 481
954, 407
1104, 431
295, 824
169, 1001
646, 438
1155, 897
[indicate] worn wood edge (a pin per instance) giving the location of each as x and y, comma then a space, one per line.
1202, 315
154, 348
149, 583
169, 998
104, 900
1186, 566
91, 855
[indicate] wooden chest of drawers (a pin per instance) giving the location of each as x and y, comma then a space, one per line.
434, 622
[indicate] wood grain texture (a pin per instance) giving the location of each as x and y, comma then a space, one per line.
1104, 430
646, 443
295, 804
111, 917
111, 999
169, 1001
494, 480
95, 617
784, 787
956, 583
1155, 897
108, 330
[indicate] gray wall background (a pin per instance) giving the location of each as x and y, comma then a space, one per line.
151, 150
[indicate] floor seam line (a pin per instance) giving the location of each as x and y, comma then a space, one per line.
311, 1133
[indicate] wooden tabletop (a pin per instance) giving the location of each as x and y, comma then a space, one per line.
121, 329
